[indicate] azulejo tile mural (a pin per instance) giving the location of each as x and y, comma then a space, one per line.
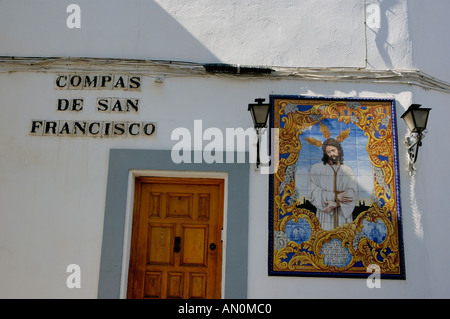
334, 207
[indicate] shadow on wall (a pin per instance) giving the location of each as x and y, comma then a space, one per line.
380, 28
116, 29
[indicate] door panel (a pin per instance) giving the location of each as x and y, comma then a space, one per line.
194, 252
153, 284
197, 285
176, 247
179, 205
175, 284
159, 244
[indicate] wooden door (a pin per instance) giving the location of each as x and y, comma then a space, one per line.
176, 246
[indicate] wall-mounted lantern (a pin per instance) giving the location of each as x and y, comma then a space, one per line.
416, 119
260, 113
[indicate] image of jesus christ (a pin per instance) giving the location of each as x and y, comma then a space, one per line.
332, 187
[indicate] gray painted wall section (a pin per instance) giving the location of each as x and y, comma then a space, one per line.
121, 161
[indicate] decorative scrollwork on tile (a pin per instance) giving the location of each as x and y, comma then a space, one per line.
300, 244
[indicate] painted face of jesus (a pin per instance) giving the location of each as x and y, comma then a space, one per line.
333, 154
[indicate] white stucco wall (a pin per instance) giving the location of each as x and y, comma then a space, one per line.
275, 33
427, 22
52, 189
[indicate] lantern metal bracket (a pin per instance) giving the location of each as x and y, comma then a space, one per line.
413, 142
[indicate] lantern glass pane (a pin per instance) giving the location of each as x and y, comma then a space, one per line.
421, 116
260, 113
409, 120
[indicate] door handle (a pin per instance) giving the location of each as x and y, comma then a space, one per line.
176, 245
212, 246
